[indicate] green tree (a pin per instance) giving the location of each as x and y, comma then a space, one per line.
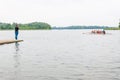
119, 24
33, 25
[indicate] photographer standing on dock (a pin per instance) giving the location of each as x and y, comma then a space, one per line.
16, 31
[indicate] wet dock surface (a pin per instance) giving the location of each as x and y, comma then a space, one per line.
9, 41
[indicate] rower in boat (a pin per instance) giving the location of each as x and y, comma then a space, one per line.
98, 32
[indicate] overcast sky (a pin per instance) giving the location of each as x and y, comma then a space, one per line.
61, 12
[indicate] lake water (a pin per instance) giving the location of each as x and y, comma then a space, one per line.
60, 55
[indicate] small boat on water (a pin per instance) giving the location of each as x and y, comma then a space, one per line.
98, 32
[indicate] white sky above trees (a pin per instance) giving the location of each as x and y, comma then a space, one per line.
61, 12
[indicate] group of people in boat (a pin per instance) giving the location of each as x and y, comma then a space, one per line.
98, 32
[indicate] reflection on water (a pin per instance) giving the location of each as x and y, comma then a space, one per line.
17, 47
17, 57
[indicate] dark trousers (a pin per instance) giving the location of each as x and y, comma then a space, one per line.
16, 35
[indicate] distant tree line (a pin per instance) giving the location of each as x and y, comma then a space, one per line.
81, 27
119, 25
5, 26
28, 26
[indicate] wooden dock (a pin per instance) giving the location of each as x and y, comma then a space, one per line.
9, 41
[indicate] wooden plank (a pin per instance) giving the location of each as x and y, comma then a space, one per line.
9, 41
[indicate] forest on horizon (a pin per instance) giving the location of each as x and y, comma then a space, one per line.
27, 26
46, 26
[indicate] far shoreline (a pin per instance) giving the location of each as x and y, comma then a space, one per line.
56, 29
111, 28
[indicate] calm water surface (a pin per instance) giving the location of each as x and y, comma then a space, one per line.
60, 55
